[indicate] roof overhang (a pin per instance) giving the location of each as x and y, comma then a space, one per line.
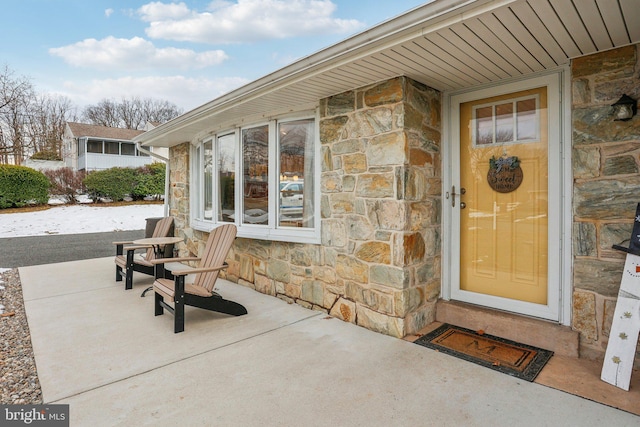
446, 44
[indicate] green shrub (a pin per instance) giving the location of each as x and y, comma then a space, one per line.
46, 155
150, 181
21, 186
114, 183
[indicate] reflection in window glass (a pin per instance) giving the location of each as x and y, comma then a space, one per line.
484, 125
527, 126
504, 122
512, 121
226, 177
128, 149
296, 173
255, 175
207, 166
94, 147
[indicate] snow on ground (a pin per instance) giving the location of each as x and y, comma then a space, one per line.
77, 219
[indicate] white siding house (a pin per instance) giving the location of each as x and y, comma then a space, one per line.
90, 147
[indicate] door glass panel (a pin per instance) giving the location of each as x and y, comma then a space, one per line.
484, 125
504, 122
527, 127
503, 228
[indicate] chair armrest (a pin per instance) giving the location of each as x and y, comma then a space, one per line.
165, 260
197, 270
134, 247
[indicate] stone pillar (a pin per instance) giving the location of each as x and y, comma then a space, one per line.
606, 171
179, 191
381, 188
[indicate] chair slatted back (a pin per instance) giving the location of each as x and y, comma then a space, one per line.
215, 252
163, 227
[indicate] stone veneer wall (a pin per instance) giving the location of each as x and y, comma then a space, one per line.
606, 171
379, 262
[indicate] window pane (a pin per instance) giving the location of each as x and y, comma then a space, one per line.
504, 122
527, 126
94, 147
226, 177
484, 125
255, 161
296, 173
111, 147
207, 159
128, 149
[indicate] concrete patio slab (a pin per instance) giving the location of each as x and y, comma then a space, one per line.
101, 350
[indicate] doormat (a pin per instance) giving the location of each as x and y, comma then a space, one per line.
509, 357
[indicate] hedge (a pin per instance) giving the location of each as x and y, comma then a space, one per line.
117, 183
21, 186
150, 181
46, 155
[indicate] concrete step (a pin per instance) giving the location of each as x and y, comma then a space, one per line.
562, 340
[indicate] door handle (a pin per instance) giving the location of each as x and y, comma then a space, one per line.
454, 194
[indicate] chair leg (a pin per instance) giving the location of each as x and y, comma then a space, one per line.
119, 249
159, 310
128, 284
178, 313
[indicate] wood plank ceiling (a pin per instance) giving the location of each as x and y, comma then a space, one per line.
474, 47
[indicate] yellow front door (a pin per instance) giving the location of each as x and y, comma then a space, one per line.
504, 193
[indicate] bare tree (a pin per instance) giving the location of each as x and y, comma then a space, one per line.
132, 113
16, 94
49, 114
104, 113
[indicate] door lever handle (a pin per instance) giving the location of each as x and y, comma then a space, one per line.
454, 194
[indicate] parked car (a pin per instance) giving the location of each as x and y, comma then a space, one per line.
291, 198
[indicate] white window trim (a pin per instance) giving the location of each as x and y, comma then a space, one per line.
254, 231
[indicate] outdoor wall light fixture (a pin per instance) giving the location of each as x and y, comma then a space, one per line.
624, 108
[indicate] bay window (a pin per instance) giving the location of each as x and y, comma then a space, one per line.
261, 177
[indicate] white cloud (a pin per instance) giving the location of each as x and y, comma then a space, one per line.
134, 53
244, 21
108, 12
185, 92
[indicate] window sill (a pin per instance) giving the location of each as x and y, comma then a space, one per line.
293, 235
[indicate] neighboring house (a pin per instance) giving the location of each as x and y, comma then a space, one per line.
90, 147
461, 163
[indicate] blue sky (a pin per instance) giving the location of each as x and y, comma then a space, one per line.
187, 52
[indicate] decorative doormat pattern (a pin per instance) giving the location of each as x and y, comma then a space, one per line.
509, 357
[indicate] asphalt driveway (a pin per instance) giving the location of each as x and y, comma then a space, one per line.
55, 248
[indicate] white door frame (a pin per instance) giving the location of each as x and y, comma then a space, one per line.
558, 307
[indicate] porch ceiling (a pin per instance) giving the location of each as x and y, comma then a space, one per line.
447, 45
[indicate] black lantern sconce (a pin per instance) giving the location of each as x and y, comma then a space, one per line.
625, 108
